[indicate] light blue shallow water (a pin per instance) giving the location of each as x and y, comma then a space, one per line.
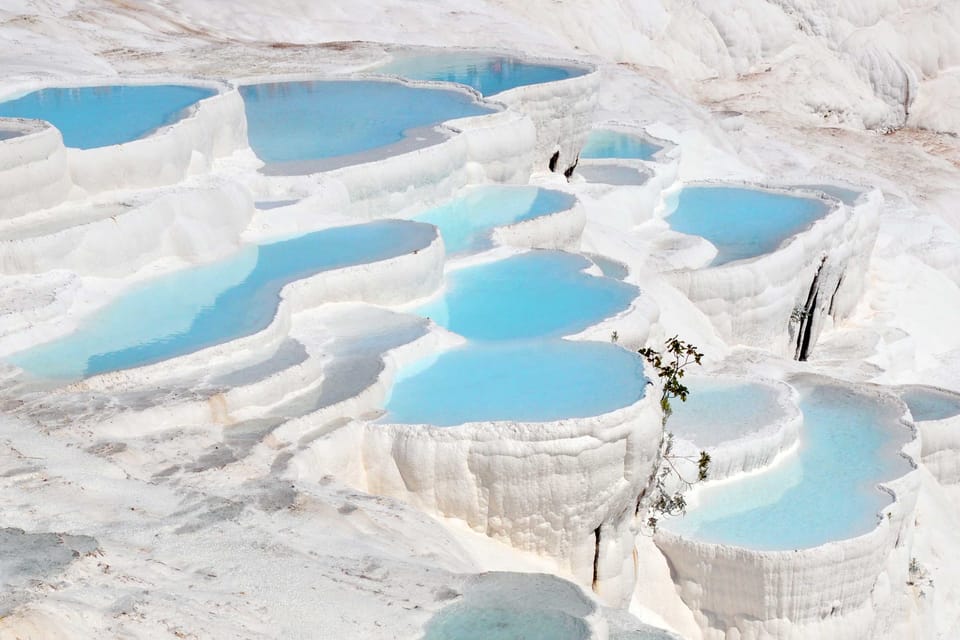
510, 606
721, 411
743, 223
532, 295
89, 117
604, 143
488, 74
827, 491
534, 381
501, 623
927, 403
314, 120
466, 222
189, 310
6, 135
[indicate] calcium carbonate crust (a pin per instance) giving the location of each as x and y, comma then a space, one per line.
34, 171
194, 224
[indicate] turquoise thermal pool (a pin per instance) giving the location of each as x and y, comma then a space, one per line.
743, 223
515, 368
532, 295
488, 74
6, 135
531, 381
826, 490
466, 222
295, 125
90, 117
609, 144
928, 403
188, 310
718, 411
511, 606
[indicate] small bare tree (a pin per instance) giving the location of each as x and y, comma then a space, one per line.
671, 365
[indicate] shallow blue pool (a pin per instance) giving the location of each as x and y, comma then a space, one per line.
826, 491
532, 295
533, 381
927, 403
6, 135
606, 143
89, 117
296, 122
488, 74
513, 606
466, 222
743, 223
189, 310
719, 411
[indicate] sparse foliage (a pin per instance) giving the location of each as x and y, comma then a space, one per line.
671, 366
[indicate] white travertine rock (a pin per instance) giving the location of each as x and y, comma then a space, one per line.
562, 112
542, 487
198, 224
560, 230
33, 168
941, 448
752, 302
